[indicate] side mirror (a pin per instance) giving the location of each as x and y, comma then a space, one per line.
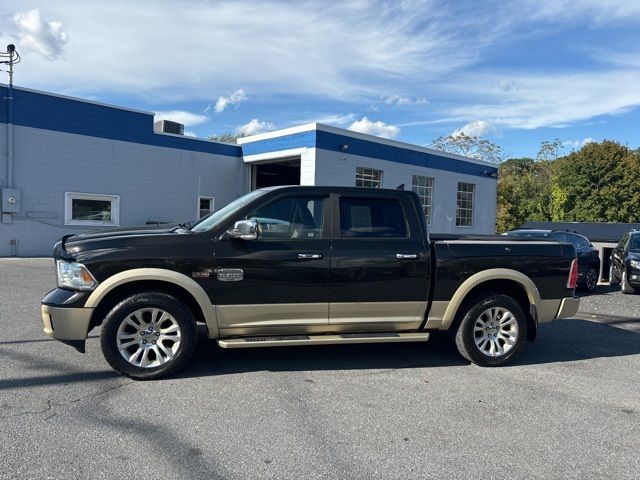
244, 230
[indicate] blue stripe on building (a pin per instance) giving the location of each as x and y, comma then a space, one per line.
365, 148
49, 112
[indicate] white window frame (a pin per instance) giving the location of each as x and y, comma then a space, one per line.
213, 205
415, 188
373, 171
68, 209
473, 203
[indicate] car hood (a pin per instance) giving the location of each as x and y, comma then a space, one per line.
633, 255
102, 242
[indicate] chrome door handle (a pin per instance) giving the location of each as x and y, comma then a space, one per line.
309, 256
402, 256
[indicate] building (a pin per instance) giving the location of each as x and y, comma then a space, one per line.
603, 235
79, 165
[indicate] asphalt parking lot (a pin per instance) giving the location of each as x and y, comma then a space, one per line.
569, 407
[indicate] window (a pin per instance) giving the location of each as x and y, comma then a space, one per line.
205, 206
91, 209
291, 218
368, 177
464, 205
371, 218
423, 186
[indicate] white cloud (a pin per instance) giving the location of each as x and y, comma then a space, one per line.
379, 129
577, 143
234, 99
336, 119
546, 100
187, 133
255, 126
477, 128
188, 119
35, 35
400, 101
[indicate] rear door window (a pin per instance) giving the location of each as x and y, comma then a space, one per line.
372, 218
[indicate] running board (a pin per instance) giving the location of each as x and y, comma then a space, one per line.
293, 340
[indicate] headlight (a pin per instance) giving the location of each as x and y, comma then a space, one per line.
635, 264
75, 276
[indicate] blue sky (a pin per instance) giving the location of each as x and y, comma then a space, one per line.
515, 72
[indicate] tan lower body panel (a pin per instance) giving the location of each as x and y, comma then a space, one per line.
405, 313
272, 315
323, 340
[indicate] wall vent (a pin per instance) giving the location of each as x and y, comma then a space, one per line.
167, 126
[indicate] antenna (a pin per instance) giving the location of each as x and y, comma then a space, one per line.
11, 57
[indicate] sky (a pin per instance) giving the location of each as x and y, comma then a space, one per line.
514, 72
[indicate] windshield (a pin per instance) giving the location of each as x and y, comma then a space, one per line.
211, 220
634, 243
529, 234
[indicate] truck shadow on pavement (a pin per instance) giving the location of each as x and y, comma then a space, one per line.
560, 341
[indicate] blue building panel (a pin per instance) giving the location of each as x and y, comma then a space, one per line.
50, 112
365, 148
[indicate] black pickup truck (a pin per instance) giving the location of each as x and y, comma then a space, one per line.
303, 266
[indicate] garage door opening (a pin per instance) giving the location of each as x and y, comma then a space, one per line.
273, 174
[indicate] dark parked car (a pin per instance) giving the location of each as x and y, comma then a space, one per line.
303, 266
588, 258
624, 267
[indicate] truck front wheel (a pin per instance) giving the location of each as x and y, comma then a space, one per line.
492, 330
149, 335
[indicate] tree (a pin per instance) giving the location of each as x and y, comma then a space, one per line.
550, 150
598, 183
228, 137
524, 192
469, 146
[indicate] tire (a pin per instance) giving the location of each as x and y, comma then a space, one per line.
624, 285
487, 311
590, 280
155, 330
612, 278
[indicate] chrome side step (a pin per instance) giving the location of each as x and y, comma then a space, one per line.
293, 340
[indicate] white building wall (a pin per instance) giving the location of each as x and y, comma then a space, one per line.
339, 169
154, 183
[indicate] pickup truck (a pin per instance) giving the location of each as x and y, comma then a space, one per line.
303, 265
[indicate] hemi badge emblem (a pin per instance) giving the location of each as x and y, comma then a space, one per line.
206, 273
230, 274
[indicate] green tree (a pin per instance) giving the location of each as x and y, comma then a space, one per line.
524, 192
469, 146
598, 183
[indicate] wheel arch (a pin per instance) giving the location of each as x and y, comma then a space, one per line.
499, 280
109, 292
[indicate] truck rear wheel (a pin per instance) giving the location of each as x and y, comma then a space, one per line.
492, 330
149, 335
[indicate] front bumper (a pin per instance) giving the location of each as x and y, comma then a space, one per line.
568, 307
66, 323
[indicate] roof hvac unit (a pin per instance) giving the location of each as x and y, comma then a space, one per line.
167, 126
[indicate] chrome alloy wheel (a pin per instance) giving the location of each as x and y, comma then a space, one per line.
495, 331
148, 337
